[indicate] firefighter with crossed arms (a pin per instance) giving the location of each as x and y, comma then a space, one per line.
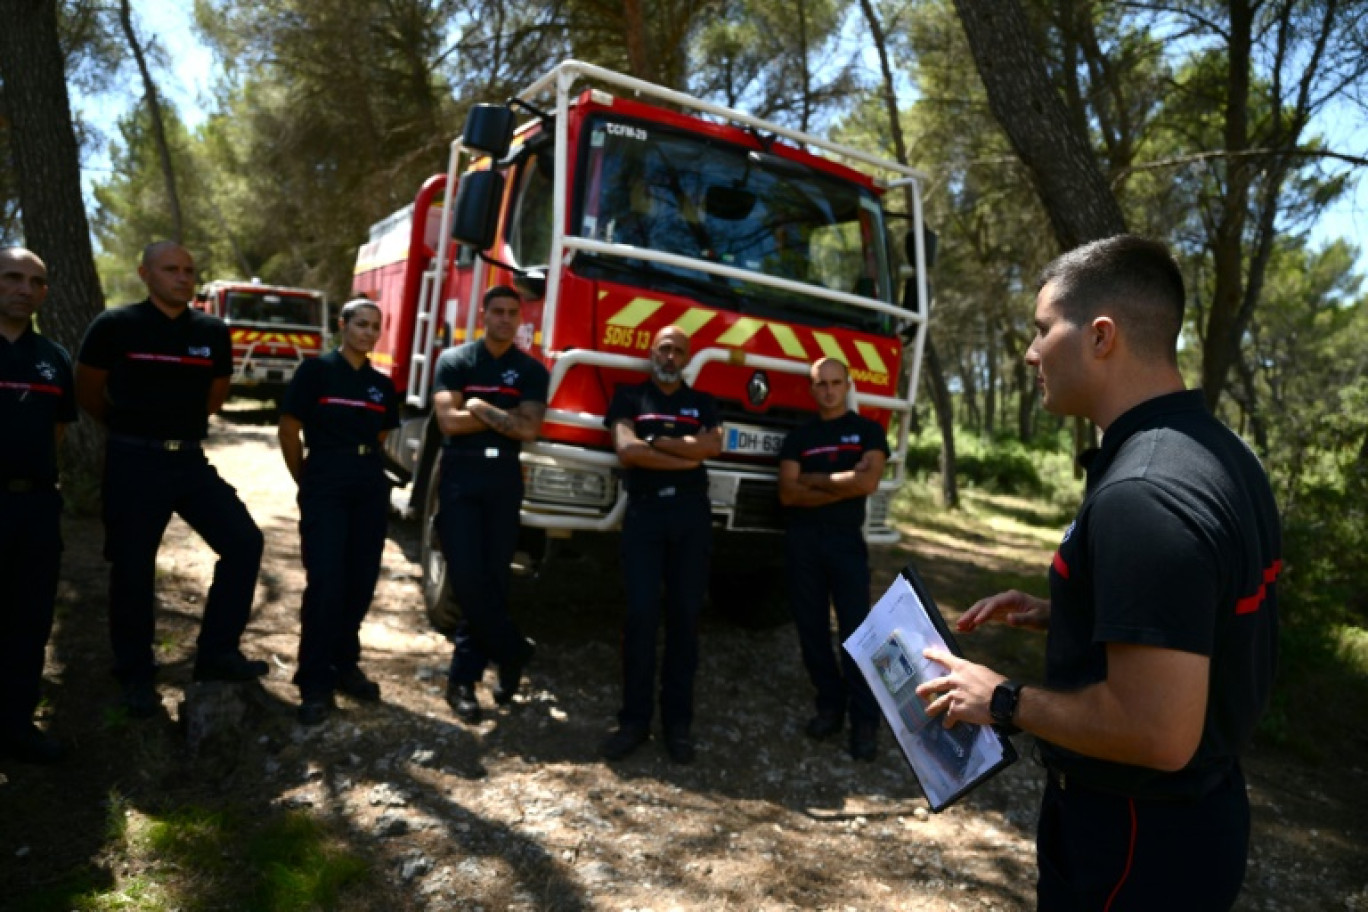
489, 398
663, 430
37, 402
827, 469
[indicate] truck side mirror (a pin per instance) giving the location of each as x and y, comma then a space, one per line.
476, 215
532, 284
910, 247
909, 302
488, 129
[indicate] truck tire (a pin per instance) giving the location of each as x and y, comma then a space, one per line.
441, 608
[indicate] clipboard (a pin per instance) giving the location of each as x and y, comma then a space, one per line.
887, 648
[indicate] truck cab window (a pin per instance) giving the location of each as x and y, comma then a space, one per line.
529, 234
654, 187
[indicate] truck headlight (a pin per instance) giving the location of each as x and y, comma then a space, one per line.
583, 487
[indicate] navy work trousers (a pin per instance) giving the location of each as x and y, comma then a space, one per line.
828, 565
666, 542
142, 489
1098, 851
30, 554
343, 514
478, 525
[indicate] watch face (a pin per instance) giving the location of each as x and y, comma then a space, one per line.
1002, 706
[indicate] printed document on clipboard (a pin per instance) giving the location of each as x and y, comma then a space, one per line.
948, 762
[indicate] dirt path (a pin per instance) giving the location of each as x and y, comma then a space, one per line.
519, 813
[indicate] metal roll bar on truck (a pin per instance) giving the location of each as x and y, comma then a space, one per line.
618, 207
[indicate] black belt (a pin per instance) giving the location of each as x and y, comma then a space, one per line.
357, 449
482, 454
668, 492
155, 443
26, 485
1074, 785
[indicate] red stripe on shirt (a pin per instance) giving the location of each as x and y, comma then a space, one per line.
1250, 603
32, 387
506, 390
1060, 567
171, 359
817, 451
683, 419
351, 403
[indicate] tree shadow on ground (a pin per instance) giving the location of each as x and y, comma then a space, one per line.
519, 812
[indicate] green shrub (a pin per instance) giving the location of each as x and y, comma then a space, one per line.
1002, 465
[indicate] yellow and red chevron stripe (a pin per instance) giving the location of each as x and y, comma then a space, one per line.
299, 339
633, 320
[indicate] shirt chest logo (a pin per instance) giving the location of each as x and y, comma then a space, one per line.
510, 377
46, 370
375, 395
200, 351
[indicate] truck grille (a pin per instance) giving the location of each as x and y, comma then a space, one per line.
757, 506
780, 419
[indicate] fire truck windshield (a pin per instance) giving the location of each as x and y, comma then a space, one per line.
269, 308
651, 186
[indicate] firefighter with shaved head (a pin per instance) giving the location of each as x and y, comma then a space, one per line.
827, 470
153, 373
37, 402
663, 430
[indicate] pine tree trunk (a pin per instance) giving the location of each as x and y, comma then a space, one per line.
935, 377
48, 168
1067, 177
154, 109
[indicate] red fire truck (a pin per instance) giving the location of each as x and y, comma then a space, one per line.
274, 329
621, 209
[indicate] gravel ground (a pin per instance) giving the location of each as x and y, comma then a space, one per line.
519, 813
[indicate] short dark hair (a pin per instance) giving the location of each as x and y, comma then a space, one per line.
351, 307
500, 291
154, 249
1133, 280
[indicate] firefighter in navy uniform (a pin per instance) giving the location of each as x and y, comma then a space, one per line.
827, 469
341, 408
662, 431
489, 397
153, 373
37, 402
1162, 617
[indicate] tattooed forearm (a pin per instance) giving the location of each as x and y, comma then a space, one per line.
498, 419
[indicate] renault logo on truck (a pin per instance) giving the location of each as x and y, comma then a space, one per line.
758, 389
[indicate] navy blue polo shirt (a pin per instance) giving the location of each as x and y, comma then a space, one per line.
836, 445
653, 413
36, 393
504, 382
341, 407
1177, 545
160, 368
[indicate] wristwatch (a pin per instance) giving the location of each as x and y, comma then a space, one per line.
650, 440
1003, 706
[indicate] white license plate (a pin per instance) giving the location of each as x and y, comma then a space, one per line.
748, 440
